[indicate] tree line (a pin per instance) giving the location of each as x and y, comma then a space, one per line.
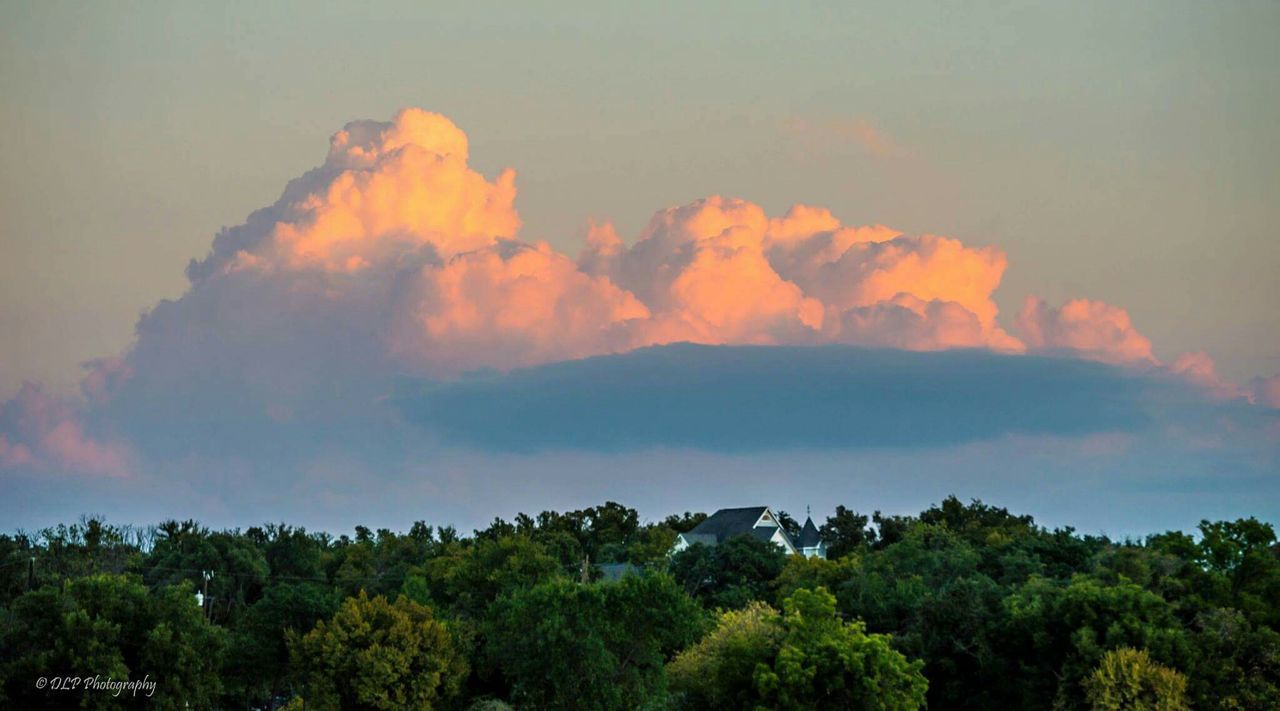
965, 605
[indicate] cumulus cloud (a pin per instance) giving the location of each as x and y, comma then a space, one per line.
1096, 330
385, 189
1084, 328
720, 271
513, 304
1200, 370
408, 257
395, 258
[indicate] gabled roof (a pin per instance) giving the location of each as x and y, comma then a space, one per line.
727, 523
809, 536
764, 533
706, 539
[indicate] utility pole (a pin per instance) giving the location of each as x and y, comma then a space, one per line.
31, 573
204, 601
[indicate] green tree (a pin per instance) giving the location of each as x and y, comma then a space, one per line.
685, 522
566, 645
1245, 553
601, 533
718, 671
889, 586
66, 551
1235, 664
257, 666
955, 631
110, 626
376, 654
890, 528
928, 591
1127, 680
1227, 545
730, 574
184, 550
1059, 633
468, 578
804, 572
652, 546
610, 527
846, 532
290, 552
977, 522
825, 662
1003, 613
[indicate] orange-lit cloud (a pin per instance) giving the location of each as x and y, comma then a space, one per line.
384, 189
721, 271
396, 229
508, 305
395, 257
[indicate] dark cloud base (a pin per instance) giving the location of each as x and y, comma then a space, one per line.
753, 398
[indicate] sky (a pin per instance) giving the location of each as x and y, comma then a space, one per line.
1052, 187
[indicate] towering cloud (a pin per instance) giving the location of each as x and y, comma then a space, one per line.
385, 189
395, 258
398, 248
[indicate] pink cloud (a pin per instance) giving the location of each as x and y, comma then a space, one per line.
1089, 329
1200, 370
44, 433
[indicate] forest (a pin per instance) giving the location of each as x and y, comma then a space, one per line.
964, 606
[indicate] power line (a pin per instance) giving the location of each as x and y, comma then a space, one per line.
268, 577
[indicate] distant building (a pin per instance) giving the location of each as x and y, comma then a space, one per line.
810, 543
756, 521
613, 572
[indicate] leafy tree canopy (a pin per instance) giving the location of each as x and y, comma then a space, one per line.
377, 654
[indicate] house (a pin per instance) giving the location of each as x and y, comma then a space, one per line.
757, 521
810, 543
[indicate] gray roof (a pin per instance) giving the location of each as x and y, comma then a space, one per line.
809, 536
612, 572
727, 523
706, 539
764, 533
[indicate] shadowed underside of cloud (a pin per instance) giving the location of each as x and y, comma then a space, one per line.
749, 398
